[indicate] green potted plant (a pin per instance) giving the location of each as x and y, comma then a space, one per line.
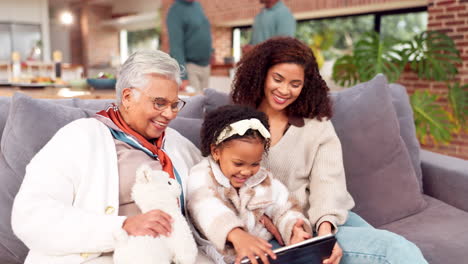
433, 56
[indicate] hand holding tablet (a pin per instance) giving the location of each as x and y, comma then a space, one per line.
311, 251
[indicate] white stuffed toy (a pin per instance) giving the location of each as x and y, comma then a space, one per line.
156, 190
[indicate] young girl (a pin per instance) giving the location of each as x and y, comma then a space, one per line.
233, 201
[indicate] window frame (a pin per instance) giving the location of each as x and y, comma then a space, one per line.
10, 26
377, 18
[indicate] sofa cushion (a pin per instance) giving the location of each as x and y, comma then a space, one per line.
405, 116
4, 109
440, 231
92, 105
30, 125
379, 173
189, 128
215, 99
194, 107
12, 250
6, 101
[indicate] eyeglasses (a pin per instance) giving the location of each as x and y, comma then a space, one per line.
161, 103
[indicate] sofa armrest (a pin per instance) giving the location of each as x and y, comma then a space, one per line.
445, 178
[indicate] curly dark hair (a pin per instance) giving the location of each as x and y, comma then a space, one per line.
215, 121
252, 69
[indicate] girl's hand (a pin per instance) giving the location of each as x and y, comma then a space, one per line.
249, 246
325, 229
298, 232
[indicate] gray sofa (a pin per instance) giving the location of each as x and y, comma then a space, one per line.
396, 186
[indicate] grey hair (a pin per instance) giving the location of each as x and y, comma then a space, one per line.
134, 71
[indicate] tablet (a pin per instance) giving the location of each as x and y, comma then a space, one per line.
312, 251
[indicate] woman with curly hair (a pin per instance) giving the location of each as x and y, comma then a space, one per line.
280, 77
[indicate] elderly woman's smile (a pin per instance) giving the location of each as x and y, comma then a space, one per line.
149, 109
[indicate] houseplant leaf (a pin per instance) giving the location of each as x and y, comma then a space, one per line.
374, 55
458, 100
430, 118
345, 71
433, 56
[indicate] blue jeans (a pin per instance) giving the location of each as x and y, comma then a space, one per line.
364, 244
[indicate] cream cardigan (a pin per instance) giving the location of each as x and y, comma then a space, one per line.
308, 160
66, 209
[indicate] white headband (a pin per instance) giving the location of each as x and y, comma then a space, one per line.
240, 127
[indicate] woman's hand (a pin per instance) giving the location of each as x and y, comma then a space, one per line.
298, 232
325, 229
152, 223
249, 246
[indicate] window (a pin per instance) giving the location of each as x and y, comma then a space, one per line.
240, 38
334, 36
331, 38
131, 41
5, 40
24, 38
403, 26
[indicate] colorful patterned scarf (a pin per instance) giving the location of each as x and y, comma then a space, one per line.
120, 130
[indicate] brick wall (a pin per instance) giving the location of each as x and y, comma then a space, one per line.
103, 41
93, 44
449, 16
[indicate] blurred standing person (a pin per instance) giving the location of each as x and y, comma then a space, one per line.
190, 42
274, 20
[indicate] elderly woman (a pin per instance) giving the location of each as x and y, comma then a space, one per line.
76, 191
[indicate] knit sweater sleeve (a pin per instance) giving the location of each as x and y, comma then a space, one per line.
331, 200
209, 213
285, 211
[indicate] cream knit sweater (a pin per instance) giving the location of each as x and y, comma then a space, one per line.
308, 160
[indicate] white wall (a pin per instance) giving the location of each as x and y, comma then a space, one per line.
31, 12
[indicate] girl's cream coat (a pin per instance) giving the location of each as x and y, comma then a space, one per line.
215, 207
